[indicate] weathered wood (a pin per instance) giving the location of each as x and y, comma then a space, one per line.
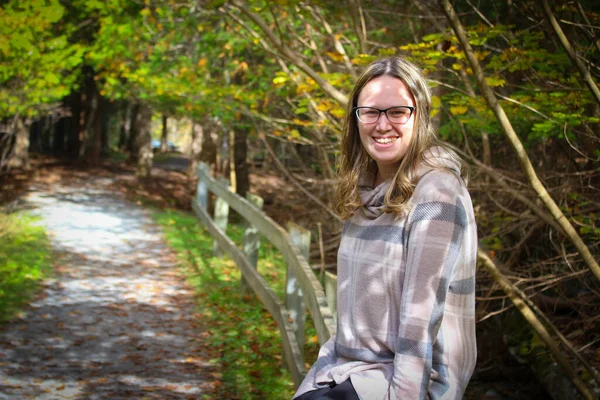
314, 295
264, 293
251, 241
294, 298
202, 189
221, 214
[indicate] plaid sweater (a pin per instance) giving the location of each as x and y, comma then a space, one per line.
406, 296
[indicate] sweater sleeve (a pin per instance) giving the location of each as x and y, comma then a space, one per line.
436, 226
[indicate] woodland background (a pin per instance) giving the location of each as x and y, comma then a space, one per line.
259, 88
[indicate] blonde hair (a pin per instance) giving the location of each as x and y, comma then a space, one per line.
355, 162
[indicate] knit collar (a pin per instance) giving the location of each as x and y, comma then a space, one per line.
372, 197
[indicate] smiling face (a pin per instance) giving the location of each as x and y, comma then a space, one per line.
386, 142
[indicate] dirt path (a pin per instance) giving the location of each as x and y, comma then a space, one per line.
117, 322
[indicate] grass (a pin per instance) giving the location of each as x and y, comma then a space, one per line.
25, 260
166, 156
115, 155
245, 337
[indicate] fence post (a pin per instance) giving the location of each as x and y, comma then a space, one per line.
294, 298
251, 240
202, 190
221, 215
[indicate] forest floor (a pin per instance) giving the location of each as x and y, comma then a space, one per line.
118, 320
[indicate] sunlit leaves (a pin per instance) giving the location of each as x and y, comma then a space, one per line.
458, 110
494, 81
280, 80
363, 59
40, 65
515, 56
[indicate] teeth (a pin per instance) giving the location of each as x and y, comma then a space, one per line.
385, 140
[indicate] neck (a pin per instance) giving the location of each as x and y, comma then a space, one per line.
379, 179
383, 174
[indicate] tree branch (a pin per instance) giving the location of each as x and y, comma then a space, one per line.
571, 52
285, 51
336, 42
296, 183
520, 300
516, 143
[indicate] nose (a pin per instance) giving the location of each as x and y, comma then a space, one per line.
383, 123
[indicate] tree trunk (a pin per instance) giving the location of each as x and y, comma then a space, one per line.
58, 145
47, 133
222, 166
75, 134
240, 153
196, 147
163, 137
143, 141
19, 156
107, 112
133, 133
231, 161
35, 136
92, 142
209, 153
124, 126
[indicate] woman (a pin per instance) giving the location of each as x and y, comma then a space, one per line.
406, 262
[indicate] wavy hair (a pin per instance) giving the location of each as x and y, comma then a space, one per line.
355, 162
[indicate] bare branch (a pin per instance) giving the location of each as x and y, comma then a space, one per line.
516, 143
360, 27
336, 41
571, 52
521, 301
587, 21
285, 51
296, 183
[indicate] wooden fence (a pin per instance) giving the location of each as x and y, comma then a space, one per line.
303, 289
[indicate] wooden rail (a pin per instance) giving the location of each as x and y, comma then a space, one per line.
303, 289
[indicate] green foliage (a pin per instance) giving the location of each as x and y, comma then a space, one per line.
244, 336
546, 82
25, 260
588, 223
39, 63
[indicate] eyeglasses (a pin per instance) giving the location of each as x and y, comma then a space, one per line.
396, 115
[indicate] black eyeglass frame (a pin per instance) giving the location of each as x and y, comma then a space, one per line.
355, 111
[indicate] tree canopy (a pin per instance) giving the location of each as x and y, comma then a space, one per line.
516, 95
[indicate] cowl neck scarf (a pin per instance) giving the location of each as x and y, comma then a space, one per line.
372, 198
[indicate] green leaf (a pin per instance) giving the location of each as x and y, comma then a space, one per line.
431, 37
494, 81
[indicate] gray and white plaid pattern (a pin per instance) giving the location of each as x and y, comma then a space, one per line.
406, 296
